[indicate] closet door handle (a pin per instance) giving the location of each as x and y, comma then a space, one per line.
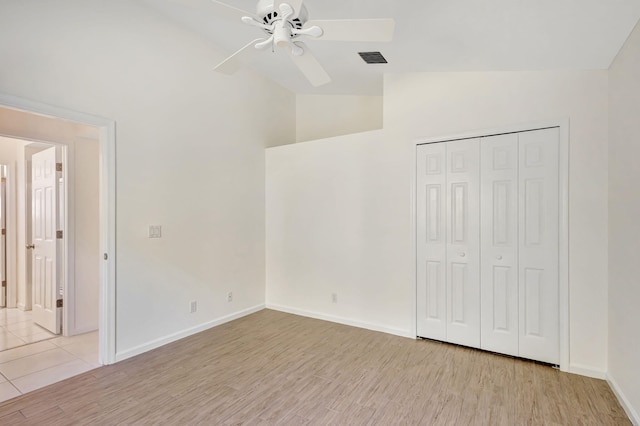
463, 254
499, 257
31, 246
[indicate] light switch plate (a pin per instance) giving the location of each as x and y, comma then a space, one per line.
155, 231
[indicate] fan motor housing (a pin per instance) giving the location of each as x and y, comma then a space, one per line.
268, 15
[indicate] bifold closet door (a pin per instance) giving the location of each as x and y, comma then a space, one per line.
488, 241
448, 251
499, 243
431, 240
463, 242
538, 249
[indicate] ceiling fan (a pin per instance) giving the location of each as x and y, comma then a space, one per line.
286, 23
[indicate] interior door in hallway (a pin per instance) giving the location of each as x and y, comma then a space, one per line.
44, 193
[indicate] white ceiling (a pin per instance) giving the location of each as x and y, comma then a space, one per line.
433, 35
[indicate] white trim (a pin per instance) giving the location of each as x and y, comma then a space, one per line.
414, 236
587, 371
11, 238
480, 133
69, 229
626, 404
107, 316
107, 207
342, 320
563, 243
161, 341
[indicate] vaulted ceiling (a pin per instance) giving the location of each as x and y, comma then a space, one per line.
431, 35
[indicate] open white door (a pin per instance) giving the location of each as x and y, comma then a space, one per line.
44, 197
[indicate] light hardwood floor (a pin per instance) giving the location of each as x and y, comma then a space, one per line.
276, 368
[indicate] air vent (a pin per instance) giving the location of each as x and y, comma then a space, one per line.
373, 57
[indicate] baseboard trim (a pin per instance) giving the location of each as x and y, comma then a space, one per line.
587, 371
120, 356
341, 320
626, 405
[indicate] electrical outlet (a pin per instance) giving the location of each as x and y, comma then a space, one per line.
193, 306
155, 231
230, 296
334, 297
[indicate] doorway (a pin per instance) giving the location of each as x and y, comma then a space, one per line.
40, 216
26, 128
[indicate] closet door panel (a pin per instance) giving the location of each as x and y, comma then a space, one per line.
463, 248
538, 245
431, 240
499, 243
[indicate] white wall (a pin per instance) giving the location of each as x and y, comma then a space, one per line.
87, 235
190, 153
335, 224
341, 207
324, 116
624, 229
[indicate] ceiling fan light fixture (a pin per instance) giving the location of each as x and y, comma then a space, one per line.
286, 23
373, 57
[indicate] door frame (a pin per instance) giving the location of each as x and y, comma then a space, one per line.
4, 291
107, 209
563, 203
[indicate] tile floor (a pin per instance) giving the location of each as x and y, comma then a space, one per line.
18, 329
39, 364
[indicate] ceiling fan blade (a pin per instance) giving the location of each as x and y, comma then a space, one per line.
295, 4
309, 66
220, 9
355, 29
230, 12
234, 62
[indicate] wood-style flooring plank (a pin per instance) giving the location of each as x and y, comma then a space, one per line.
272, 368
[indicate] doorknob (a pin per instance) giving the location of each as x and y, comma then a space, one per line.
499, 257
31, 246
463, 254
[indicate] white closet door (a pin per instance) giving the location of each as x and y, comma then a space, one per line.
431, 240
538, 245
463, 248
499, 243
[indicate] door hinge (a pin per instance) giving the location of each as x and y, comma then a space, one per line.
59, 303
4, 283
59, 235
4, 231
58, 167
3, 180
